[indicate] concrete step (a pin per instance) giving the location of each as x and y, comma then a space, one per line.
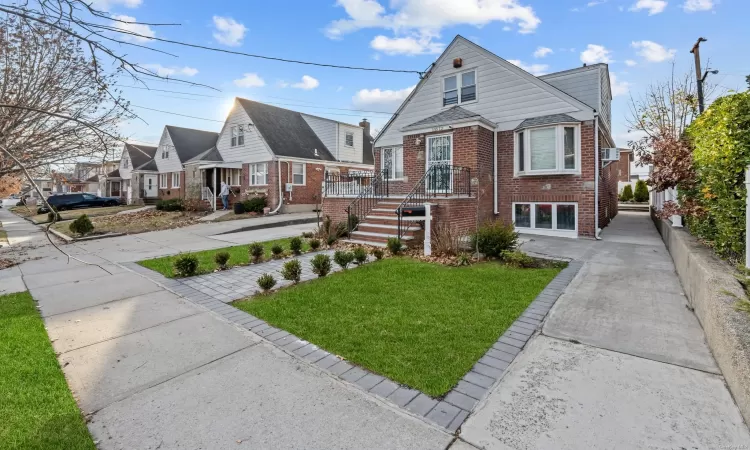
376, 237
363, 242
386, 227
384, 211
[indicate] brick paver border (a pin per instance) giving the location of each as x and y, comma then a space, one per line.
214, 291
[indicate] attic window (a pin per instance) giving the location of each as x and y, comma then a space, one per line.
349, 142
238, 135
460, 88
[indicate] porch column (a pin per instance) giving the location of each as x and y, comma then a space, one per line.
216, 193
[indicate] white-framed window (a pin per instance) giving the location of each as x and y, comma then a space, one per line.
163, 181
237, 132
175, 179
392, 162
230, 176
546, 218
548, 150
298, 173
165, 152
240, 135
125, 163
460, 88
259, 174
349, 139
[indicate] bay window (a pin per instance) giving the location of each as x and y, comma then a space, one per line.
460, 88
548, 150
258, 174
392, 162
546, 218
298, 173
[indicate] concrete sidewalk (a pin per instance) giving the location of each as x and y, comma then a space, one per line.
620, 363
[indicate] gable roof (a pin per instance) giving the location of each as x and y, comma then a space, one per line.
189, 143
139, 154
114, 174
150, 165
456, 114
546, 120
212, 154
286, 132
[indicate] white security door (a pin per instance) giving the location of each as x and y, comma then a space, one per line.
440, 153
149, 186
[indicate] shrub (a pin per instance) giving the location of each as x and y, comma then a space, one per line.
627, 193
82, 225
54, 216
292, 271
377, 253
447, 240
641, 191
174, 204
493, 238
353, 222
295, 245
517, 258
255, 204
360, 255
463, 259
314, 244
256, 251
343, 258
308, 235
186, 265
321, 265
277, 251
221, 259
331, 240
394, 245
266, 282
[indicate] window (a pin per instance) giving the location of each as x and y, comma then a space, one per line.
165, 152
298, 173
349, 141
230, 176
125, 163
240, 135
175, 179
548, 150
233, 131
546, 218
460, 88
258, 174
162, 181
392, 162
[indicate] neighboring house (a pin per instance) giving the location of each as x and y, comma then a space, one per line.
176, 148
134, 177
483, 139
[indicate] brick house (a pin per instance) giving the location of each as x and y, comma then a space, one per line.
483, 139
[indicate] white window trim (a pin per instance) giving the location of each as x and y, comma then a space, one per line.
233, 136
304, 174
382, 162
175, 179
240, 134
346, 135
560, 151
459, 87
545, 231
162, 181
253, 171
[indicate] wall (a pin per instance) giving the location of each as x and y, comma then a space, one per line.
325, 129
170, 192
254, 148
302, 198
608, 195
171, 164
346, 153
582, 83
710, 288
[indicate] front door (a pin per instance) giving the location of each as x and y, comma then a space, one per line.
149, 186
440, 153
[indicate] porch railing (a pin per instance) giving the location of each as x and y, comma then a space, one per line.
337, 185
366, 200
207, 194
439, 181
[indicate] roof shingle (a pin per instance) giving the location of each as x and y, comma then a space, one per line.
452, 115
546, 120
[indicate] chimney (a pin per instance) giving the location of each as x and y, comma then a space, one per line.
366, 125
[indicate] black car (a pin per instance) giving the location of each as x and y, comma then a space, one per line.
76, 201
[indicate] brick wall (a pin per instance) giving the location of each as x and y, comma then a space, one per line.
170, 192
622, 167
608, 195
459, 212
335, 208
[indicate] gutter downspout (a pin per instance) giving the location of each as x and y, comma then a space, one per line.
281, 194
494, 177
596, 177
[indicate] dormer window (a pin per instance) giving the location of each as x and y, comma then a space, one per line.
460, 88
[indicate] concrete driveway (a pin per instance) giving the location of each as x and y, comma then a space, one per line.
620, 362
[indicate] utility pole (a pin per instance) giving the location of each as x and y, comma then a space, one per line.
698, 75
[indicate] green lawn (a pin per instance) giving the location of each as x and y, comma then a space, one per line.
239, 255
37, 410
420, 324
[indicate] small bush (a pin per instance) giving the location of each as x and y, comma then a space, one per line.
174, 204
295, 245
186, 266
255, 204
256, 251
81, 225
54, 216
308, 235
360, 255
353, 222
277, 250
447, 240
266, 282
331, 240
463, 259
292, 271
394, 245
517, 258
627, 193
641, 191
321, 265
493, 238
343, 258
221, 259
314, 244
377, 253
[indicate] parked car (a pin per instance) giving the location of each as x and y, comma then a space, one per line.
77, 201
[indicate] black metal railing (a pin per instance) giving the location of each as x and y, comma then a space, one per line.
366, 200
439, 181
347, 184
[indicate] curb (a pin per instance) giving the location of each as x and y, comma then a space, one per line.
272, 225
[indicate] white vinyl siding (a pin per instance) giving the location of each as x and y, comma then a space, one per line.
590, 85
548, 150
254, 148
353, 153
547, 218
171, 164
504, 96
298, 174
325, 129
258, 174
125, 169
175, 179
349, 139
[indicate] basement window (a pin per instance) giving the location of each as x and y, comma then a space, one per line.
556, 219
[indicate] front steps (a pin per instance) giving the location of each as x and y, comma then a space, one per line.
381, 224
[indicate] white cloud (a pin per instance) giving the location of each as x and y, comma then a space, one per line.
386, 99
106, 5
593, 3
541, 52
169, 71
340, 88
652, 51
698, 5
406, 45
596, 54
630, 63
534, 69
250, 80
618, 87
123, 23
653, 6
308, 83
229, 31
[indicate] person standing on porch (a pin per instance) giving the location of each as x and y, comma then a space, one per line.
225, 195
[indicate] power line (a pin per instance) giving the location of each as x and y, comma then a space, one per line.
176, 114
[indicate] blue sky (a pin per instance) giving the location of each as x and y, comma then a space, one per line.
638, 38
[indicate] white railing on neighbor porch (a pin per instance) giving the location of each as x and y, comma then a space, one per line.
207, 194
